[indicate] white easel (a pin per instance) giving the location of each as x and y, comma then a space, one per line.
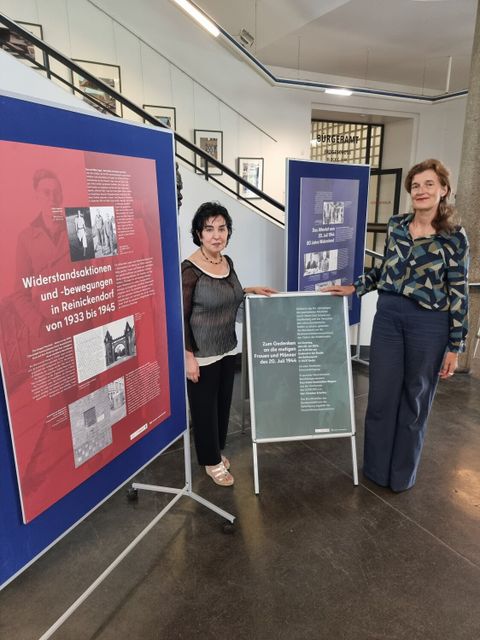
256, 440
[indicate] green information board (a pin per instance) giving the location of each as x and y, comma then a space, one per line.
300, 375
299, 368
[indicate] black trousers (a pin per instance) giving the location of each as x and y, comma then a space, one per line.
407, 349
210, 399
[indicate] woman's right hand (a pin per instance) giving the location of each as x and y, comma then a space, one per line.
339, 290
191, 367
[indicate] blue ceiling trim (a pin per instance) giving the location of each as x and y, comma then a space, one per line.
310, 84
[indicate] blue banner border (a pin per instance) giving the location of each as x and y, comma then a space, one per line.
295, 171
34, 123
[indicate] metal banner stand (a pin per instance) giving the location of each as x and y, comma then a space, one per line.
185, 491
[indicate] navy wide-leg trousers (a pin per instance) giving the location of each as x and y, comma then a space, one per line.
407, 349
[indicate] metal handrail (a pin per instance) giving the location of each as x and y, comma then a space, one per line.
76, 68
374, 254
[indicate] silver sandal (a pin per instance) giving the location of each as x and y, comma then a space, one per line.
219, 474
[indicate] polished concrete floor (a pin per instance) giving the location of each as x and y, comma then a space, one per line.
311, 557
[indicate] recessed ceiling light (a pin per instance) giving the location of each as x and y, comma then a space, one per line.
200, 17
339, 92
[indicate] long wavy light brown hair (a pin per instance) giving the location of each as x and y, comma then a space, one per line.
445, 218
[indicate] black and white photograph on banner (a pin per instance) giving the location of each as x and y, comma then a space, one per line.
119, 340
328, 261
92, 417
104, 347
104, 231
320, 262
116, 397
80, 234
333, 213
311, 262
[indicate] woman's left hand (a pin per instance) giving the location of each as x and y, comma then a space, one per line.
450, 363
260, 290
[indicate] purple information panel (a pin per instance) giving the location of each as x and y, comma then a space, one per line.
326, 221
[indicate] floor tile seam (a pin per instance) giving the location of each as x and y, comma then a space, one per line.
473, 564
401, 513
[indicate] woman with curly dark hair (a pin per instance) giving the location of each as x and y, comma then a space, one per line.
419, 328
211, 296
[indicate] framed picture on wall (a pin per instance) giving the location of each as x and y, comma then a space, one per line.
94, 95
166, 115
18, 46
251, 170
212, 143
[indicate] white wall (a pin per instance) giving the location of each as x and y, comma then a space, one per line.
166, 59
16, 78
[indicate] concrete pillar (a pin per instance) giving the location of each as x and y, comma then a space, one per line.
468, 192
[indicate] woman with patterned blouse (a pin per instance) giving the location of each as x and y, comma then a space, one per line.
419, 328
211, 297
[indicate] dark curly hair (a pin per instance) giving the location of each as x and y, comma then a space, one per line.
444, 220
204, 212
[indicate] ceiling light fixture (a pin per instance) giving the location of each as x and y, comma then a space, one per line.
339, 92
200, 17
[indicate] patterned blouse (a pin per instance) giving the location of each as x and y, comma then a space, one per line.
210, 305
432, 270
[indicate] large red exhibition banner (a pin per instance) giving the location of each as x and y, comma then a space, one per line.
83, 338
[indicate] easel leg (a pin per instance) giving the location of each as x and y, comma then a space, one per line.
187, 458
354, 460
255, 468
244, 372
